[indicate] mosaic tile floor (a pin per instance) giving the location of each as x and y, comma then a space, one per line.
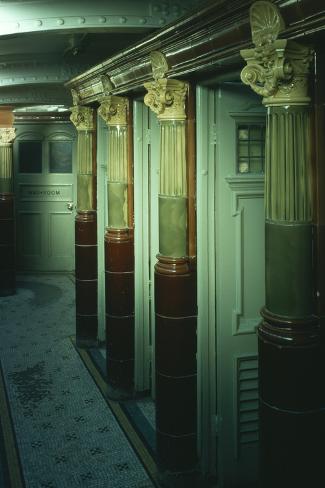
66, 435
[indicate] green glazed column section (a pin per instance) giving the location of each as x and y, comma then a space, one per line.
278, 70
82, 118
7, 136
173, 190
291, 353
85, 170
114, 111
167, 99
117, 177
289, 257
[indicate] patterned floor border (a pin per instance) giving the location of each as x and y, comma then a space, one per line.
11, 471
134, 438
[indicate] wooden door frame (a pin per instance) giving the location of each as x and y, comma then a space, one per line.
206, 257
101, 222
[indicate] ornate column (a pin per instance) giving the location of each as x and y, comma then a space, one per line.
175, 281
7, 214
85, 229
119, 250
291, 363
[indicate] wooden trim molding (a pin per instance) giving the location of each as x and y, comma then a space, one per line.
208, 39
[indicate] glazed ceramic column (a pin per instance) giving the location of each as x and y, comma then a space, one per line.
119, 251
85, 230
291, 363
7, 214
175, 286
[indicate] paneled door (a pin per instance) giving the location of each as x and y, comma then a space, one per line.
231, 137
45, 196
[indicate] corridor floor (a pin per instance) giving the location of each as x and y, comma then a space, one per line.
57, 430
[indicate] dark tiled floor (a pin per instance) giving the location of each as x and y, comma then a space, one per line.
65, 433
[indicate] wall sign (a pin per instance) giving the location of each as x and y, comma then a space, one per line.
45, 193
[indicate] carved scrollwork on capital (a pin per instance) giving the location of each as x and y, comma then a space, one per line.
166, 97
7, 135
82, 118
114, 110
277, 69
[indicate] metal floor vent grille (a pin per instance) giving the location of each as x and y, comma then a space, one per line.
247, 390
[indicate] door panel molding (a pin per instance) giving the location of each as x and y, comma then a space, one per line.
244, 188
57, 237
23, 215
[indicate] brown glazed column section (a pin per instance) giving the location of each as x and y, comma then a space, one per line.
119, 249
119, 274
86, 278
7, 214
85, 230
291, 359
175, 280
176, 378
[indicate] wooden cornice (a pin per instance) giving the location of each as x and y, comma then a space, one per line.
208, 39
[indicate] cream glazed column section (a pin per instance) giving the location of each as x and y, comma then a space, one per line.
85, 229
119, 249
291, 354
7, 214
175, 281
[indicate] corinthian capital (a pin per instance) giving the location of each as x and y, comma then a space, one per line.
114, 110
276, 68
82, 117
166, 97
7, 136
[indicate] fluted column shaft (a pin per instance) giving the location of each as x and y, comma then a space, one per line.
175, 286
7, 214
291, 360
85, 230
119, 249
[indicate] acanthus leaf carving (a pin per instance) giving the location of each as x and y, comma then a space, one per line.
277, 69
113, 110
166, 97
7, 135
82, 118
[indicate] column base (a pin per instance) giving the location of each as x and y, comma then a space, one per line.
7, 245
292, 402
7, 291
86, 343
181, 479
118, 393
292, 448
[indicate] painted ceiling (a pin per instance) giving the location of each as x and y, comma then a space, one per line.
43, 44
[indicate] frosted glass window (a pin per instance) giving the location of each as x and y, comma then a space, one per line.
61, 157
250, 148
30, 157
